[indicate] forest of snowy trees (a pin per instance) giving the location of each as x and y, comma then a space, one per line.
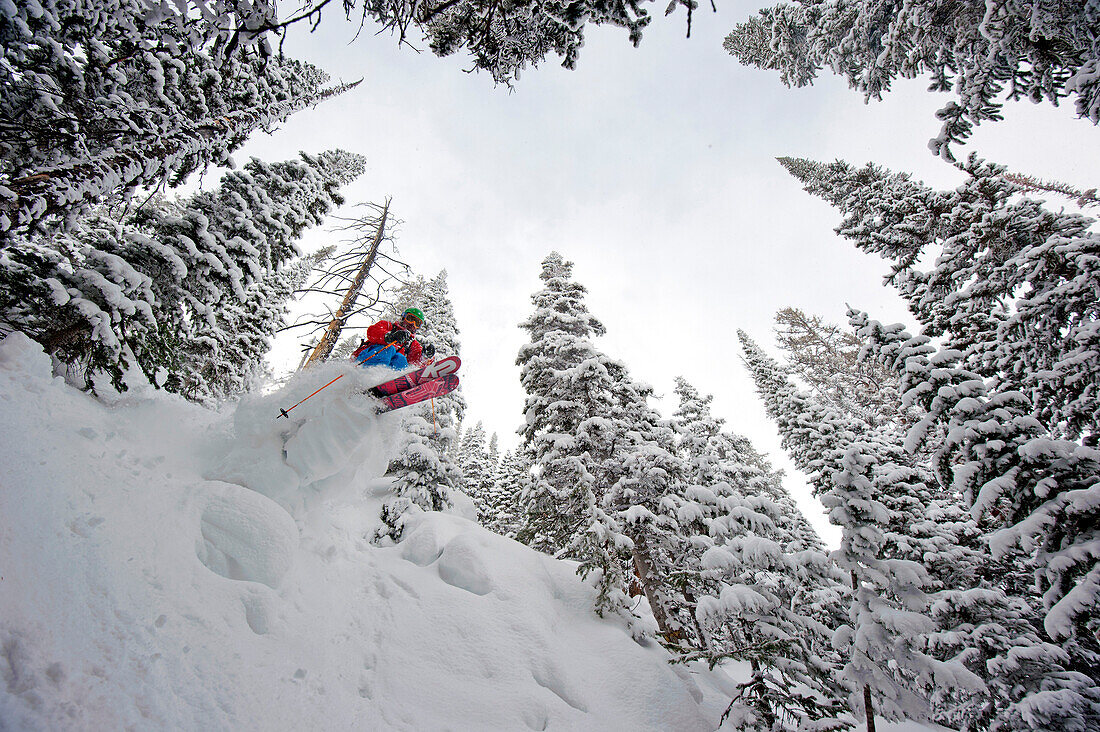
959, 454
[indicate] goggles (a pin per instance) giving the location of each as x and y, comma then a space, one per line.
411, 320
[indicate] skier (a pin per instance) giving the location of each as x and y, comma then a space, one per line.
393, 344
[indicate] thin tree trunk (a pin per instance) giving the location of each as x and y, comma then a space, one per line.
868, 710
652, 591
868, 706
332, 333
54, 340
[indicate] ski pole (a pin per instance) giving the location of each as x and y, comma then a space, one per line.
380, 350
283, 412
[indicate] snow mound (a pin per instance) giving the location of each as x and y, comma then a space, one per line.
246, 536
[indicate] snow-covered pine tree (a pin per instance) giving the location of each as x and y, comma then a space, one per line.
504, 40
982, 607
493, 451
992, 449
853, 469
233, 348
473, 461
760, 579
511, 479
603, 459
984, 53
229, 239
98, 105
425, 471
560, 331
825, 357
109, 294
645, 478
1028, 322
1014, 381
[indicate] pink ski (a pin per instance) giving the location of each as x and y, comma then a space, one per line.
423, 391
442, 367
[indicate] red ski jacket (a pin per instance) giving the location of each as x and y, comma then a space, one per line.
376, 336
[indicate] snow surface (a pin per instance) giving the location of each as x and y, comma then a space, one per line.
164, 566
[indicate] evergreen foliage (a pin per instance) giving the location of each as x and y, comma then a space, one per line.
826, 358
982, 52
1013, 381
993, 448
766, 592
604, 460
510, 482
104, 98
868, 485
560, 330
473, 460
149, 291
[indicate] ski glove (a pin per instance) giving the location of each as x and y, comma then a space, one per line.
429, 351
397, 335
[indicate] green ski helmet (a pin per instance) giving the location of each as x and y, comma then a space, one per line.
416, 313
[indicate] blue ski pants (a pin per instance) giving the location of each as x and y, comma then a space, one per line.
371, 356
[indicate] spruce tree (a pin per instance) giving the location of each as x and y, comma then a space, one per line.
992, 448
560, 329
148, 292
762, 584
97, 105
1013, 381
602, 456
511, 480
853, 470
233, 349
473, 460
984, 53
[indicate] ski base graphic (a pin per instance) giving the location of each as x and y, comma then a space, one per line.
442, 367
421, 392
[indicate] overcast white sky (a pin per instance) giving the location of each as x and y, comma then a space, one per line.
653, 170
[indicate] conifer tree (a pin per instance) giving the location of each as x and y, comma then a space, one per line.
764, 586
473, 461
825, 357
148, 292
993, 446
984, 53
645, 478
511, 480
852, 470
493, 451
97, 105
1013, 383
231, 361
560, 329
604, 460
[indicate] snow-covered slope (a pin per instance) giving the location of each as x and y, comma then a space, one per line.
163, 566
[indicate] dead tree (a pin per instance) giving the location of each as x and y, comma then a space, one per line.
358, 275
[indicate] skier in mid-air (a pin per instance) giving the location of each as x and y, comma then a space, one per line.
392, 343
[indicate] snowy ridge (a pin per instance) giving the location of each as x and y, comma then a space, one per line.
167, 566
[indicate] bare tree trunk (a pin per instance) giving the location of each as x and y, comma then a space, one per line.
868, 706
332, 333
868, 710
651, 588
